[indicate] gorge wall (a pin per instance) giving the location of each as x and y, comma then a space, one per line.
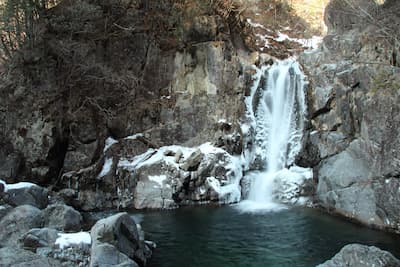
353, 143
108, 80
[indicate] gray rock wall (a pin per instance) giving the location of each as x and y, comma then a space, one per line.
353, 141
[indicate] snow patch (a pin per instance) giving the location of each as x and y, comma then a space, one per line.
73, 239
19, 185
255, 24
133, 137
108, 143
312, 43
106, 167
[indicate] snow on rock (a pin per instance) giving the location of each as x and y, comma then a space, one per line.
108, 143
73, 239
255, 24
312, 43
177, 174
264, 39
19, 185
106, 168
133, 137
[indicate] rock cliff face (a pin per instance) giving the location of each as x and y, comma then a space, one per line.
104, 69
353, 142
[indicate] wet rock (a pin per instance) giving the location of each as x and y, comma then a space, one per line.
34, 195
62, 217
357, 255
13, 256
115, 240
17, 222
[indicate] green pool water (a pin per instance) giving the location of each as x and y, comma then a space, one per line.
224, 236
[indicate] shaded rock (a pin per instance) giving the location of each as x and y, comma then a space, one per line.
80, 157
10, 164
17, 222
203, 28
116, 236
4, 209
357, 255
13, 256
386, 192
39, 237
62, 217
34, 195
68, 196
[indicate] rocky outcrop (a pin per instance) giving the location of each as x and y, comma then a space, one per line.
171, 83
353, 140
175, 175
362, 256
180, 82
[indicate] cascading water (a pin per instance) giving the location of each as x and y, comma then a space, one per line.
276, 108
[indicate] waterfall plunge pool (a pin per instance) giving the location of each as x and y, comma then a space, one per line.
224, 236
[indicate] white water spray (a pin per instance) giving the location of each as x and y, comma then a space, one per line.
277, 107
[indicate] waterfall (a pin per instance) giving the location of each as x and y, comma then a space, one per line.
276, 107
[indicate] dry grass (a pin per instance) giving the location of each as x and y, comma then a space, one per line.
312, 11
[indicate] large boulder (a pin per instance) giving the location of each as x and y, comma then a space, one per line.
39, 237
26, 195
62, 217
115, 240
16, 257
107, 255
357, 255
17, 222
